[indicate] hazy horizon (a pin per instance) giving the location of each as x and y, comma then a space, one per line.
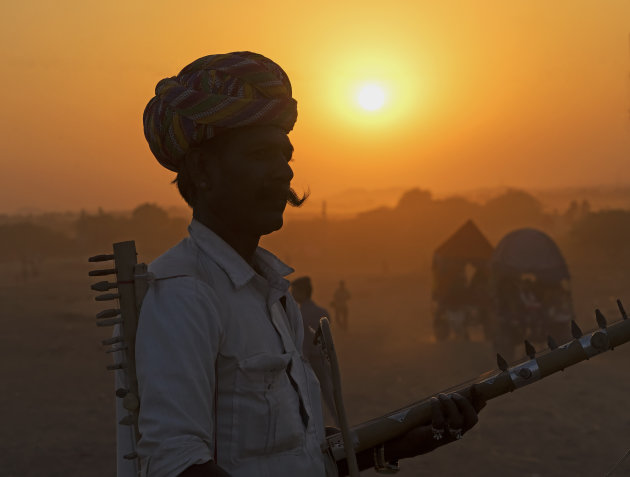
353, 200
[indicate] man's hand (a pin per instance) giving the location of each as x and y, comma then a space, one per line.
452, 416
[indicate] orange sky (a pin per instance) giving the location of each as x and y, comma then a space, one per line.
525, 93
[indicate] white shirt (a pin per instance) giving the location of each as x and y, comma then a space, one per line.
220, 374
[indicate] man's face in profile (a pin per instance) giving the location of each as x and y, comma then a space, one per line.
250, 181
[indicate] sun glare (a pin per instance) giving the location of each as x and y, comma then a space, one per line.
371, 97
367, 92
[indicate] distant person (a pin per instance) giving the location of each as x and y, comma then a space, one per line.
340, 305
302, 289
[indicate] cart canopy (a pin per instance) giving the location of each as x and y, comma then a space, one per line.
529, 251
467, 245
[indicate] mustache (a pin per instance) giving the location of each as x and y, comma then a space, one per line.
288, 194
294, 200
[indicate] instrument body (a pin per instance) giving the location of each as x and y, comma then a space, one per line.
131, 283
328, 348
494, 384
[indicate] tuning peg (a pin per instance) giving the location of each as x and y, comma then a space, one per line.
100, 273
551, 343
624, 315
107, 296
600, 341
101, 258
575, 330
112, 367
530, 351
109, 313
601, 319
131, 456
103, 286
113, 340
502, 363
119, 348
128, 420
121, 392
110, 322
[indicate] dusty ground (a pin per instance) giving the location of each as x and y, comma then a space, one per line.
57, 398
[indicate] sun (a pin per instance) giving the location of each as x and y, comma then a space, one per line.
371, 97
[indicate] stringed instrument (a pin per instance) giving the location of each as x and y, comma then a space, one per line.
495, 383
131, 283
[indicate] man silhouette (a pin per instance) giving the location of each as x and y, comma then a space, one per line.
224, 389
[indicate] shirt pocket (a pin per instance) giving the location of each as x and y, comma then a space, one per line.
315, 398
267, 408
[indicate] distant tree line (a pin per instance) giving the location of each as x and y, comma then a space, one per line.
403, 237
399, 238
90, 234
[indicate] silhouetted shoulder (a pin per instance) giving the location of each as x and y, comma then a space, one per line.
182, 259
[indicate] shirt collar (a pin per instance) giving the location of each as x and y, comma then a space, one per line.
237, 269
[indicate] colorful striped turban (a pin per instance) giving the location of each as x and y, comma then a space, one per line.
212, 94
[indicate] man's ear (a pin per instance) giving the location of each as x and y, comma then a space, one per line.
199, 170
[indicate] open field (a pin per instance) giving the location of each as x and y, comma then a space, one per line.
57, 398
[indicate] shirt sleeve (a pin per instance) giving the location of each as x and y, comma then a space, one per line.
177, 342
